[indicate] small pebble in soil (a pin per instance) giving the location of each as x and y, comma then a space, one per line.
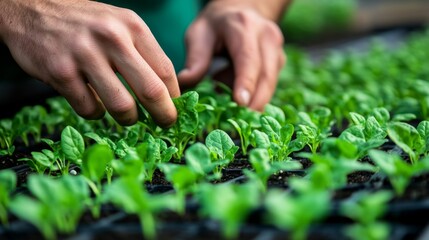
73, 172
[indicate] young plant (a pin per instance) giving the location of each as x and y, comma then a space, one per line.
315, 126
96, 164
72, 145
410, 139
366, 133
277, 139
129, 194
229, 204
199, 166
264, 168
57, 206
296, 212
397, 169
143, 160
187, 122
7, 186
336, 160
7, 137
366, 209
221, 146
244, 130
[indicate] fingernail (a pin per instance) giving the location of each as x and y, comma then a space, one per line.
245, 97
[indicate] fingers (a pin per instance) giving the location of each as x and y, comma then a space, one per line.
152, 53
148, 87
273, 59
80, 96
115, 97
200, 43
245, 54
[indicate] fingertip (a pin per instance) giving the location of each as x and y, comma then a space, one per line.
242, 97
167, 119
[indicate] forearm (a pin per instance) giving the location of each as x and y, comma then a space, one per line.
270, 9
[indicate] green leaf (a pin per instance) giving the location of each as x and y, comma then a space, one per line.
72, 144
221, 144
198, 158
95, 160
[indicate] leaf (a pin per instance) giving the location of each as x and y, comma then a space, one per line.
220, 143
95, 160
198, 158
72, 144
357, 119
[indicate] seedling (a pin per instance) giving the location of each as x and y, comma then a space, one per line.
264, 168
229, 204
292, 211
366, 209
128, 194
7, 186
57, 206
397, 169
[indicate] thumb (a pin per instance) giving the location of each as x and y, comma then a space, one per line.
200, 42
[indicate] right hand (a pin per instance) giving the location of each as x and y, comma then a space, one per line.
77, 46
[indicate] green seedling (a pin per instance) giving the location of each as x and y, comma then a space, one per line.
7, 187
366, 209
221, 147
229, 204
129, 194
292, 211
57, 206
264, 168
397, 169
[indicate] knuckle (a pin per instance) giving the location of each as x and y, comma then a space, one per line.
133, 20
166, 70
90, 112
62, 71
154, 93
122, 105
273, 31
169, 118
245, 18
109, 28
82, 45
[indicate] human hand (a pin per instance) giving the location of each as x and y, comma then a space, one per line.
253, 41
78, 46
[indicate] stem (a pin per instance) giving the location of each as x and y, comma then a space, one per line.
148, 225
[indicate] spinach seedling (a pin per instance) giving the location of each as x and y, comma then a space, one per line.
366, 133
7, 137
366, 209
277, 139
221, 146
187, 122
244, 130
58, 204
397, 169
229, 204
96, 164
264, 168
7, 186
316, 126
296, 212
408, 138
336, 160
129, 194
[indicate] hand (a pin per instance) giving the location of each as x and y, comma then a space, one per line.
78, 46
253, 41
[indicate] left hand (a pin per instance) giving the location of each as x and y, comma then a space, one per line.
253, 41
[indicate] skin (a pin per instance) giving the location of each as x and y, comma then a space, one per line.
248, 32
78, 46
